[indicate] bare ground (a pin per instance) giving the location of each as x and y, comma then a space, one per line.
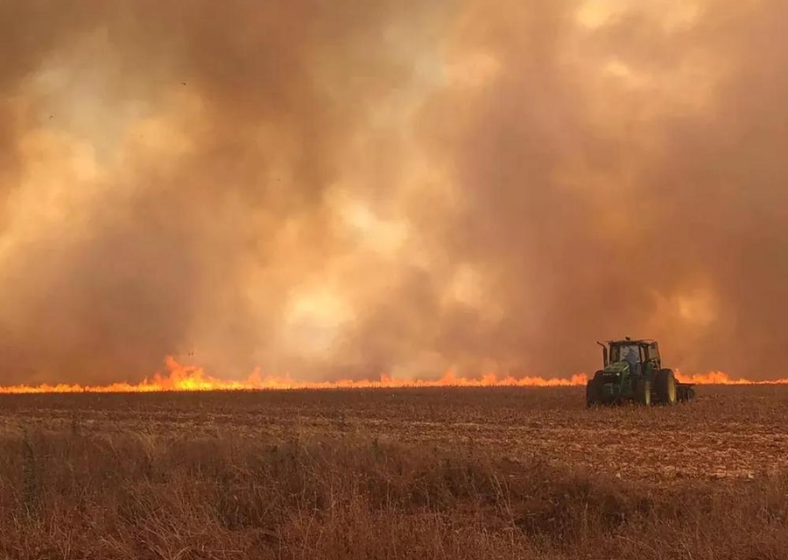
728, 432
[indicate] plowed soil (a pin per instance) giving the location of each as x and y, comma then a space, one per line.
728, 432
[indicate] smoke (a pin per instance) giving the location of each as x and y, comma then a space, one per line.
343, 189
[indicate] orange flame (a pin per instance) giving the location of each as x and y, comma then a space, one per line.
720, 378
190, 378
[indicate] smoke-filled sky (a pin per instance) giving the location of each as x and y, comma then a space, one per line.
340, 189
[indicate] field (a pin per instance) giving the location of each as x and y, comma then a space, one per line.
403, 473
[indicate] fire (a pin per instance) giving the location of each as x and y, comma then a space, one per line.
720, 378
191, 378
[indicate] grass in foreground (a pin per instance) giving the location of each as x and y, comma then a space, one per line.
69, 496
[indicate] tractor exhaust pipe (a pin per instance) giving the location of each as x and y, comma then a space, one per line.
605, 359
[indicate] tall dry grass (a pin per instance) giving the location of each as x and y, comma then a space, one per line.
79, 496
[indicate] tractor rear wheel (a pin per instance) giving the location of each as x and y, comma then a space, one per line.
643, 392
594, 390
665, 385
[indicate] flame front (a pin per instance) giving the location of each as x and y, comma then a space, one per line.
191, 378
720, 378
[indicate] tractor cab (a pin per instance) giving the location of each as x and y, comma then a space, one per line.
633, 371
643, 353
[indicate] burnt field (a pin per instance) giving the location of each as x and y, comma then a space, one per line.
403, 473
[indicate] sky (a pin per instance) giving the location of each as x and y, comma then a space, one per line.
343, 189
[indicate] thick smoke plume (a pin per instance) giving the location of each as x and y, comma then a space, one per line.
341, 189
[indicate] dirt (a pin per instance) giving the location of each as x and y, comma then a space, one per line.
728, 432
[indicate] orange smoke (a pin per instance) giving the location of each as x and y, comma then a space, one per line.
191, 378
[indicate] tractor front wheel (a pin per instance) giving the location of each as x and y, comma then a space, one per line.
643, 392
594, 390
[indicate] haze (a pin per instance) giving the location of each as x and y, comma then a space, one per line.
344, 189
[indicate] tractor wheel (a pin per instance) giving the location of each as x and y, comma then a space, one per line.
665, 385
643, 392
594, 390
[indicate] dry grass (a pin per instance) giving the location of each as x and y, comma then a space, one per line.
89, 489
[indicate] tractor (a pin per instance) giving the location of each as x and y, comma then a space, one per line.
633, 372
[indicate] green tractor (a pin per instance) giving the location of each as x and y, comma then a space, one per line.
633, 372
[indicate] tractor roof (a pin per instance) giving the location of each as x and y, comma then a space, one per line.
635, 341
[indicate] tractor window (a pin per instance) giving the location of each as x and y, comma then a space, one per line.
619, 353
653, 352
